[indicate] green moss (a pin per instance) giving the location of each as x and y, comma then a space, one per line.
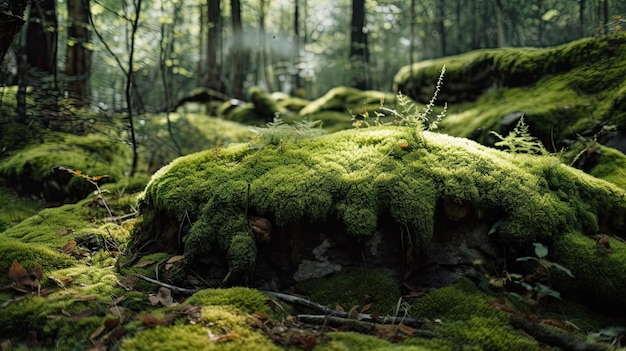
218, 319
464, 314
561, 90
28, 254
611, 166
243, 299
599, 278
359, 175
14, 209
354, 289
264, 105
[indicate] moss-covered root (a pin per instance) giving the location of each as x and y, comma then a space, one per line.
264, 105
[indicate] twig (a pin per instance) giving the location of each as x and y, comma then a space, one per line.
356, 325
414, 322
553, 337
165, 285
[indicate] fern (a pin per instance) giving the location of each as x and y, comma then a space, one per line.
278, 132
409, 115
519, 140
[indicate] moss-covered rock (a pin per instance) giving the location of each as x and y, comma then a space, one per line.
32, 171
348, 184
564, 90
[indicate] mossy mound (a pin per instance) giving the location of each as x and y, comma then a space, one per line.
31, 171
15, 209
564, 90
357, 177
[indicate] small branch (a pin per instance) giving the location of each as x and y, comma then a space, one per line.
165, 285
553, 337
356, 325
414, 322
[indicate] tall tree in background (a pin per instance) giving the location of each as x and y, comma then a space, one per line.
214, 29
78, 53
237, 49
297, 41
41, 57
359, 55
500, 24
11, 21
442, 26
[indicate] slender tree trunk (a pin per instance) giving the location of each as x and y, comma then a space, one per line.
358, 45
214, 30
442, 27
297, 40
78, 53
41, 55
500, 24
129, 84
11, 21
581, 17
237, 49
605, 16
166, 47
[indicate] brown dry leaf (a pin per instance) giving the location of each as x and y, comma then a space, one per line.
153, 300
366, 308
64, 231
5, 345
175, 259
37, 271
339, 308
67, 248
128, 283
165, 296
19, 275
145, 263
221, 338
118, 300
96, 333
406, 329
149, 320
117, 310
85, 298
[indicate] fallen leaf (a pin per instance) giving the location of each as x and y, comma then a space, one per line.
165, 296
366, 307
339, 308
97, 333
63, 231
153, 300
37, 271
19, 275
67, 248
145, 263
221, 338
149, 320
175, 259
56, 281
406, 329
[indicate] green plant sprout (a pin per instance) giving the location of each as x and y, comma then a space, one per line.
533, 283
91, 179
407, 113
519, 140
278, 132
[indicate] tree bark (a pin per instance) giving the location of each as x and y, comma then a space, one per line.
359, 54
500, 24
214, 28
237, 49
78, 54
442, 27
581, 17
11, 21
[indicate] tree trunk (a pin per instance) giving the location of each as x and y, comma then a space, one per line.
442, 27
581, 17
41, 56
296, 34
214, 28
358, 45
605, 16
11, 21
237, 49
500, 24
78, 54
